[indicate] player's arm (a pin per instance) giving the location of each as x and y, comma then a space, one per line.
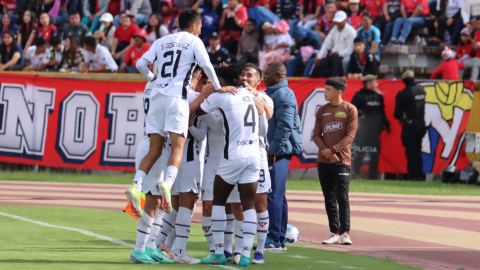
352, 122
317, 132
207, 106
214, 122
200, 132
147, 59
102, 68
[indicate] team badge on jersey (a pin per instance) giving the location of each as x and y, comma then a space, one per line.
341, 114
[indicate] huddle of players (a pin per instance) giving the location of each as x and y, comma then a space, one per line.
214, 148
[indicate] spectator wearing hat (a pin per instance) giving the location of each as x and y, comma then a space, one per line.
37, 56
56, 51
247, 51
362, 61
135, 52
97, 58
216, 52
354, 15
74, 28
414, 13
106, 32
93, 11
309, 10
274, 46
372, 120
233, 21
449, 68
304, 39
446, 17
325, 21
137, 9
123, 37
410, 112
371, 35
464, 47
337, 45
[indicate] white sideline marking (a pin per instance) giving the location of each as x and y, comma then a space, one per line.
325, 262
351, 267
89, 233
298, 257
85, 232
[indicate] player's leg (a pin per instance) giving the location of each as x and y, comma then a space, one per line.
262, 226
221, 191
133, 192
228, 235
247, 196
237, 211
207, 204
168, 226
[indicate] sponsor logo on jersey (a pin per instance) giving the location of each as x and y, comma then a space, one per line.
333, 126
247, 142
161, 85
326, 114
247, 99
341, 114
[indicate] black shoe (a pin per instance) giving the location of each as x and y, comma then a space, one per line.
284, 247
272, 245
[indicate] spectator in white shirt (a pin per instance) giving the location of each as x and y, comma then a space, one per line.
97, 57
37, 56
337, 45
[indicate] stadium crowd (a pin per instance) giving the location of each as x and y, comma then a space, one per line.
314, 38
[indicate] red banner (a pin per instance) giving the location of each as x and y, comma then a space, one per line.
97, 125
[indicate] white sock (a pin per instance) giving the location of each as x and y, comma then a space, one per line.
218, 227
171, 175
156, 228
207, 231
182, 229
249, 228
228, 237
238, 224
262, 229
144, 224
169, 243
138, 179
167, 226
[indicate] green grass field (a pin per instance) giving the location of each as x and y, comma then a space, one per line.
369, 186
25, 245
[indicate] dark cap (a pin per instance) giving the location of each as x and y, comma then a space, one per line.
369, 77
214, 35
408, 74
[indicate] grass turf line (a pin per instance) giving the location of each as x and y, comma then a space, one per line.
29, 246
369, 186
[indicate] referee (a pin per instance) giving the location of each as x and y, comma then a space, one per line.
335, 127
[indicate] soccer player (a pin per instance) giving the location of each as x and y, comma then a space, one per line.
240, 163
177, 55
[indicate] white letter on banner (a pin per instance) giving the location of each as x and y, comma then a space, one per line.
310, 106
79, 125
126, 127
24, 119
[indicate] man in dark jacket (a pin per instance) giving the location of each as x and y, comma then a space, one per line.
285, 139
372, 120
410, 112
303, 37
362, 62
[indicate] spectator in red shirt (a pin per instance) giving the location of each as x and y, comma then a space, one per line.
309, 12
414, 13
135, 52
123, 37
45, 29
342, 4
28, 30
375, 7
354, 14
233, 21
464, 47
449, 68
325, 22
254, 3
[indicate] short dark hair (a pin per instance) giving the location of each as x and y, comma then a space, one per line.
338, 83
358, 40
204, 75
367, 14
250, 65
90, 41
40, 42
197, 70
187, 18
252, 21
55, 40
73, 12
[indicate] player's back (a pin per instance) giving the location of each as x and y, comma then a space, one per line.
177, 56
240, 117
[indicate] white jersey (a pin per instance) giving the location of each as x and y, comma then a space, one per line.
215, 138
146, 106
263, 139
177, 55
240, 122
194, 149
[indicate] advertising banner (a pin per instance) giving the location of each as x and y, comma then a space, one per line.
97, 125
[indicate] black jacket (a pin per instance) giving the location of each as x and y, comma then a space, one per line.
355, 67
287, 9
410, 104
371, 103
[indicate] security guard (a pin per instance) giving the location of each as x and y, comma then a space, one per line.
410, 112
372, 120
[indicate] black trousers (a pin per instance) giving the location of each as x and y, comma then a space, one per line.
335, 182
330, 67
357, 163
412, 136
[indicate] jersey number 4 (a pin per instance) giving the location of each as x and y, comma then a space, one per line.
169, 56
245, 118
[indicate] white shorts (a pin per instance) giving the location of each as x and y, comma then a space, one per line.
155, 175
209, 173
239, 171
189, 178
167, 114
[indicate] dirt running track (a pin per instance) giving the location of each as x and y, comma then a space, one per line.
430, 232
